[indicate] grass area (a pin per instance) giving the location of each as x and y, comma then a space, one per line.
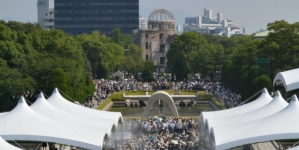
151, 92
205, 97
218, 103
104, 104
117, 96
196, 119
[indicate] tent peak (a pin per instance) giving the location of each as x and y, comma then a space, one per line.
265, 90
277, 94
294, 98
41, 95
56, 90
22, 100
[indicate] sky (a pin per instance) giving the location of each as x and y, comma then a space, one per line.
251, 14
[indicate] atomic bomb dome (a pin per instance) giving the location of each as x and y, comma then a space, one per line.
161, 19
161, 15
155, 41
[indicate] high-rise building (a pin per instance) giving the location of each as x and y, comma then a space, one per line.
84, 16
45, 14
142, 22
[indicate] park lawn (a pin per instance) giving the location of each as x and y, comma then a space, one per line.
204, 97
218, 103
104, 104
117, 96
151, 92
196, 119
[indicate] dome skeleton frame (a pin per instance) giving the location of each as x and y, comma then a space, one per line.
161, 15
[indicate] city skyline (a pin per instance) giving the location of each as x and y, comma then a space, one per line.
251, 14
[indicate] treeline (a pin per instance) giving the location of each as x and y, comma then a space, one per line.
236, 57
34, 60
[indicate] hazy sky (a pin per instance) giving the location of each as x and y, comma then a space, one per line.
252, 14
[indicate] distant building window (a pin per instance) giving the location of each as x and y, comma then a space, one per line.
162, 60
161, 36
146, 57
146, 45
162, 48
146, 35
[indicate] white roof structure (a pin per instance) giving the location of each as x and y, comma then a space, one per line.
58, 101
1, 114
118, 74
42, 106
22, 123
294, 148
261, 101
276, 105
6, 146
281, 125
289, 79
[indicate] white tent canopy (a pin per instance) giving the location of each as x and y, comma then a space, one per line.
261, 101
58, 101
294, 148
42, 106
1, 114
6, 146
288, 78
117, 74
282, 125
22, 123
276, 105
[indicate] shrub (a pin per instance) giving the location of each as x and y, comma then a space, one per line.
264, 81
117, 96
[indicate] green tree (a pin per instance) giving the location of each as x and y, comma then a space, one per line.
12, 84
264, 82
148, 71
184, 51
121, 39
132, 60
282, 44
58, 79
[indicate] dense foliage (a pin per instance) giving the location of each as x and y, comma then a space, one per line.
236, 57
34, 60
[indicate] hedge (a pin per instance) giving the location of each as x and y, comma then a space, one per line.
117, 96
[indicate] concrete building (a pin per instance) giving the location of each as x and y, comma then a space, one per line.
45, 14
211, 25
84, 16
142, 22
155, 41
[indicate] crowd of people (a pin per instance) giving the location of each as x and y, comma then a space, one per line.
228, 98
159, 133
106, 87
